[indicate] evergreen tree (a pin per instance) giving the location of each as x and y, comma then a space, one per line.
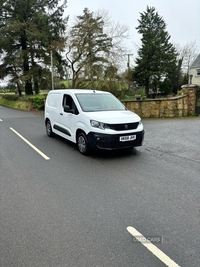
88, 48
156, 56
29, 30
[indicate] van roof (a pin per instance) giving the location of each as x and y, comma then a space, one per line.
76, 91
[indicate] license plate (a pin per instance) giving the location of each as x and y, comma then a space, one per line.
127, 138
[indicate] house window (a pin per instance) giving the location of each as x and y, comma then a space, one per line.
198, 72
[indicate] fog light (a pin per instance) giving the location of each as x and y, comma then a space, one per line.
100, 142
99, 139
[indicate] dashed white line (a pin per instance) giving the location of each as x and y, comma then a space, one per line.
31, 145
156, 251
1, 120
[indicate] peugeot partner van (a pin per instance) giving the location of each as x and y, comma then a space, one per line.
94, 120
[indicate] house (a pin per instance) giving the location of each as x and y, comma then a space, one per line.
194, 72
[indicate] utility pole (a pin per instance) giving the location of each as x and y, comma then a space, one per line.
52, 75
128, 65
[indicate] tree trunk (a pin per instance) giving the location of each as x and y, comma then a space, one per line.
28, 84
19, 89
36, 87
28, 88
147, 87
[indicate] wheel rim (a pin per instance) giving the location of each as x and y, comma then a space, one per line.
82, 144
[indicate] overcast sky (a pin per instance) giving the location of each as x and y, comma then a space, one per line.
181, 16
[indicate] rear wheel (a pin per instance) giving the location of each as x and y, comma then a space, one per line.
49, 129
82, 143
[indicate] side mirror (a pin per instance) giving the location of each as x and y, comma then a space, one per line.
68, 110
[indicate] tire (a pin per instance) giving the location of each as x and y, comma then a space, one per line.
49, 129
82, 143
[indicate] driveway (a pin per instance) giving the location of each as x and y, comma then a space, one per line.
178, 137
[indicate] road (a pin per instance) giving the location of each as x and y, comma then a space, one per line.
59, 208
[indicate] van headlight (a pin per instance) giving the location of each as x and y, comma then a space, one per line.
100, 125
140, 123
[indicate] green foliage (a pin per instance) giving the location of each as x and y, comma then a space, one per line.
179, 92
29, 30
11, 97
165, 87
37, 101
88, 48
185, 79
61, 85
15, 102
157, 56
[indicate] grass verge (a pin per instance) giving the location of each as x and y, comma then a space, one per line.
19, 104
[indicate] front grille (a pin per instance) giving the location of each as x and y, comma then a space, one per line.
124, 126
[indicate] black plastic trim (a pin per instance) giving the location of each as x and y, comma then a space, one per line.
62, 130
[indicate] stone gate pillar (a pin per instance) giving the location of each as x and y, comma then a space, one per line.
191, 91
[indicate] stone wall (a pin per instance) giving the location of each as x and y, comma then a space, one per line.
159, 108
191, 91
179, 106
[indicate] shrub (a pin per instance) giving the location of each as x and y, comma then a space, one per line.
62, 85
11, 97
37, 101
179, 92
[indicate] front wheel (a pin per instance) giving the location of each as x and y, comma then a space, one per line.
82, 143
49, 129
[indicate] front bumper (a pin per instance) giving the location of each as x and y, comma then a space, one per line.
100, 141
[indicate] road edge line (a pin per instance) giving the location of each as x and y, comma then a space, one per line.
31, 145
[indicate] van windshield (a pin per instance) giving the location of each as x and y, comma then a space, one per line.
99, 102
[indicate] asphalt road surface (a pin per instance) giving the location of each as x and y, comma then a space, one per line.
137, 208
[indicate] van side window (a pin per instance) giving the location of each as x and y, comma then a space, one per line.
68, 101
53, 100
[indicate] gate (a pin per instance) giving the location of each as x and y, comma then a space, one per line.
197, 102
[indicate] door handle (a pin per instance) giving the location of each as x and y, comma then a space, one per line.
61, 114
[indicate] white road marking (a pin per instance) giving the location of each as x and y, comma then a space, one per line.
35, 148
156, 251
0, 119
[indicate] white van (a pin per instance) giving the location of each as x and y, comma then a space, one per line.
92, 119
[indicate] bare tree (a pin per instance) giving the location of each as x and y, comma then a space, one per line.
187, 54
120, 35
